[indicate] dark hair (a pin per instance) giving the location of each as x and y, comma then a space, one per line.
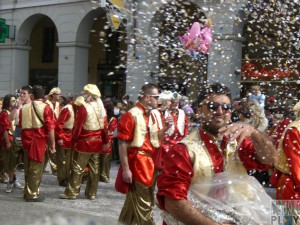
215, 88
38, 92
27, 88
145, 89
6, 101
110, 110
244, 111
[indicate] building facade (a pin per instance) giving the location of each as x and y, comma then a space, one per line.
68, 43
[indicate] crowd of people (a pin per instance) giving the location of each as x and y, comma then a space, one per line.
197, 156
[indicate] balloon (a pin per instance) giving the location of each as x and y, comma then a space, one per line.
198, 39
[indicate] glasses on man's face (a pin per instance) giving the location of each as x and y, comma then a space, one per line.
213, 106
156, 97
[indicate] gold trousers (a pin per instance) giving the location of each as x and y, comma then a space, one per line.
33, 172
11, 157
138, 206
80, 161
104, 167
64, 159
51, 158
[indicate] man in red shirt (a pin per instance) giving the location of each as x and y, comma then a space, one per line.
63, 135
89, 135
214, 148
37, 124
136, 147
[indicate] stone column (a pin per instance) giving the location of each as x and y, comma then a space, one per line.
14, 61
225, 56
73, 67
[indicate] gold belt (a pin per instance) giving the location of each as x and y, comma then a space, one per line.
144, 153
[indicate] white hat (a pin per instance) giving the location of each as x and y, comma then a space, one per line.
92, 90
55, 91
166, 95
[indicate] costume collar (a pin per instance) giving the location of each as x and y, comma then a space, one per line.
142, 107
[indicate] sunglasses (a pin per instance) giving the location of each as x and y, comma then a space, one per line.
213, 106
156, 97
13, 100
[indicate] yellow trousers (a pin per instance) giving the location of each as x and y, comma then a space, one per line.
33, 172
138, 206
80, 161
64, 159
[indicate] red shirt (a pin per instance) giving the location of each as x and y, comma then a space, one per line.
88, 140
175, 179
62, 133
288, 187
141, 166
5, 125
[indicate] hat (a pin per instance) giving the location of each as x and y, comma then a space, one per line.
176, 96
296, 108
79, 101
92, 90
165, 95
55, 91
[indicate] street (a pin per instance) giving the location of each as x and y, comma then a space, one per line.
103, 211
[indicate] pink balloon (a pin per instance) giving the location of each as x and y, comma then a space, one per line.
197, 40
195, 30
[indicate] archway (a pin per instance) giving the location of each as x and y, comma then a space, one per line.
177, 70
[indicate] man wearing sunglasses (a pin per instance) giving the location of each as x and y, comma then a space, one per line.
136, 146
217, 149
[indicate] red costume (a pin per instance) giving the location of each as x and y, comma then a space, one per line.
112, 125
62, 133
88, 140
288, 187
174, 136
5, 125
141, 167
35, 138
175, 179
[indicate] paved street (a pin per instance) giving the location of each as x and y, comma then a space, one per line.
103, 211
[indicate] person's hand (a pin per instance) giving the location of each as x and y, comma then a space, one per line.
52, 148
169, 122
127, 175
60, 142
8, 145
106, 147
237, 131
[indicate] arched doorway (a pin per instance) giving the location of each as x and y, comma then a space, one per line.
43, 57
179, 71
107, 58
